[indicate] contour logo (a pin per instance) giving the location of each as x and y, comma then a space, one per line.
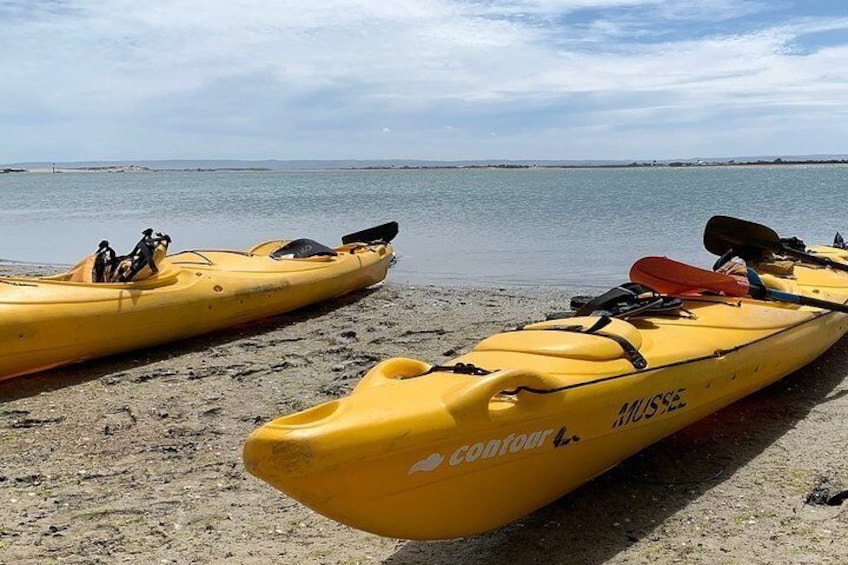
427, 464
485, 450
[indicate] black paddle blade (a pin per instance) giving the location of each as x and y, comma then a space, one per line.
748, 240
384, 232
724, 233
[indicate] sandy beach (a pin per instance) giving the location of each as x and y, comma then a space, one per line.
137, 458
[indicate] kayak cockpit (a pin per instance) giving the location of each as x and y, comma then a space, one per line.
145, 263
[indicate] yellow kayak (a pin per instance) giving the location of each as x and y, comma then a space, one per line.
431, 452
67, 318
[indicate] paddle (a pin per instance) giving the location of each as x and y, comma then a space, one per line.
667, 276
672, 277
724, 234
384, 232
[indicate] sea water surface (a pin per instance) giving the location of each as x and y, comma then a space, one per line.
568, 228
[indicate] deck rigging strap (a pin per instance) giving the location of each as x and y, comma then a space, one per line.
636, 359
633, 355
459, 368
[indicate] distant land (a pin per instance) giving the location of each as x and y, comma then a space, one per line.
399, 164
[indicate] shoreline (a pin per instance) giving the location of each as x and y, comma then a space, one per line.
507, 166
137, 458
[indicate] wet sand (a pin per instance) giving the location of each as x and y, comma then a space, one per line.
137, 458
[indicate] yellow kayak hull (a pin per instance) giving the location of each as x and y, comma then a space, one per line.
54, 321
420, 453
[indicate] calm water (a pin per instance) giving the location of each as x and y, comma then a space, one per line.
563, 228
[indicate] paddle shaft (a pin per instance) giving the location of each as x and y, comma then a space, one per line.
804, 256
797, 299
758, 289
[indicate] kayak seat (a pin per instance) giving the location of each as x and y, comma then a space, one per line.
302, 249
616, 339
83, 272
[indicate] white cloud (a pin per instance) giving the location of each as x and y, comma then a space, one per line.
262, 78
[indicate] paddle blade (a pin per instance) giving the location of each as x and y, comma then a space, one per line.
723, 233
384, 232
747, 240
672, 277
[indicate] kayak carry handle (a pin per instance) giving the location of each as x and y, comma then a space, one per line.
472, 401
392, 370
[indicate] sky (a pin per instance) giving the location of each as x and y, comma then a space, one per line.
421, 79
